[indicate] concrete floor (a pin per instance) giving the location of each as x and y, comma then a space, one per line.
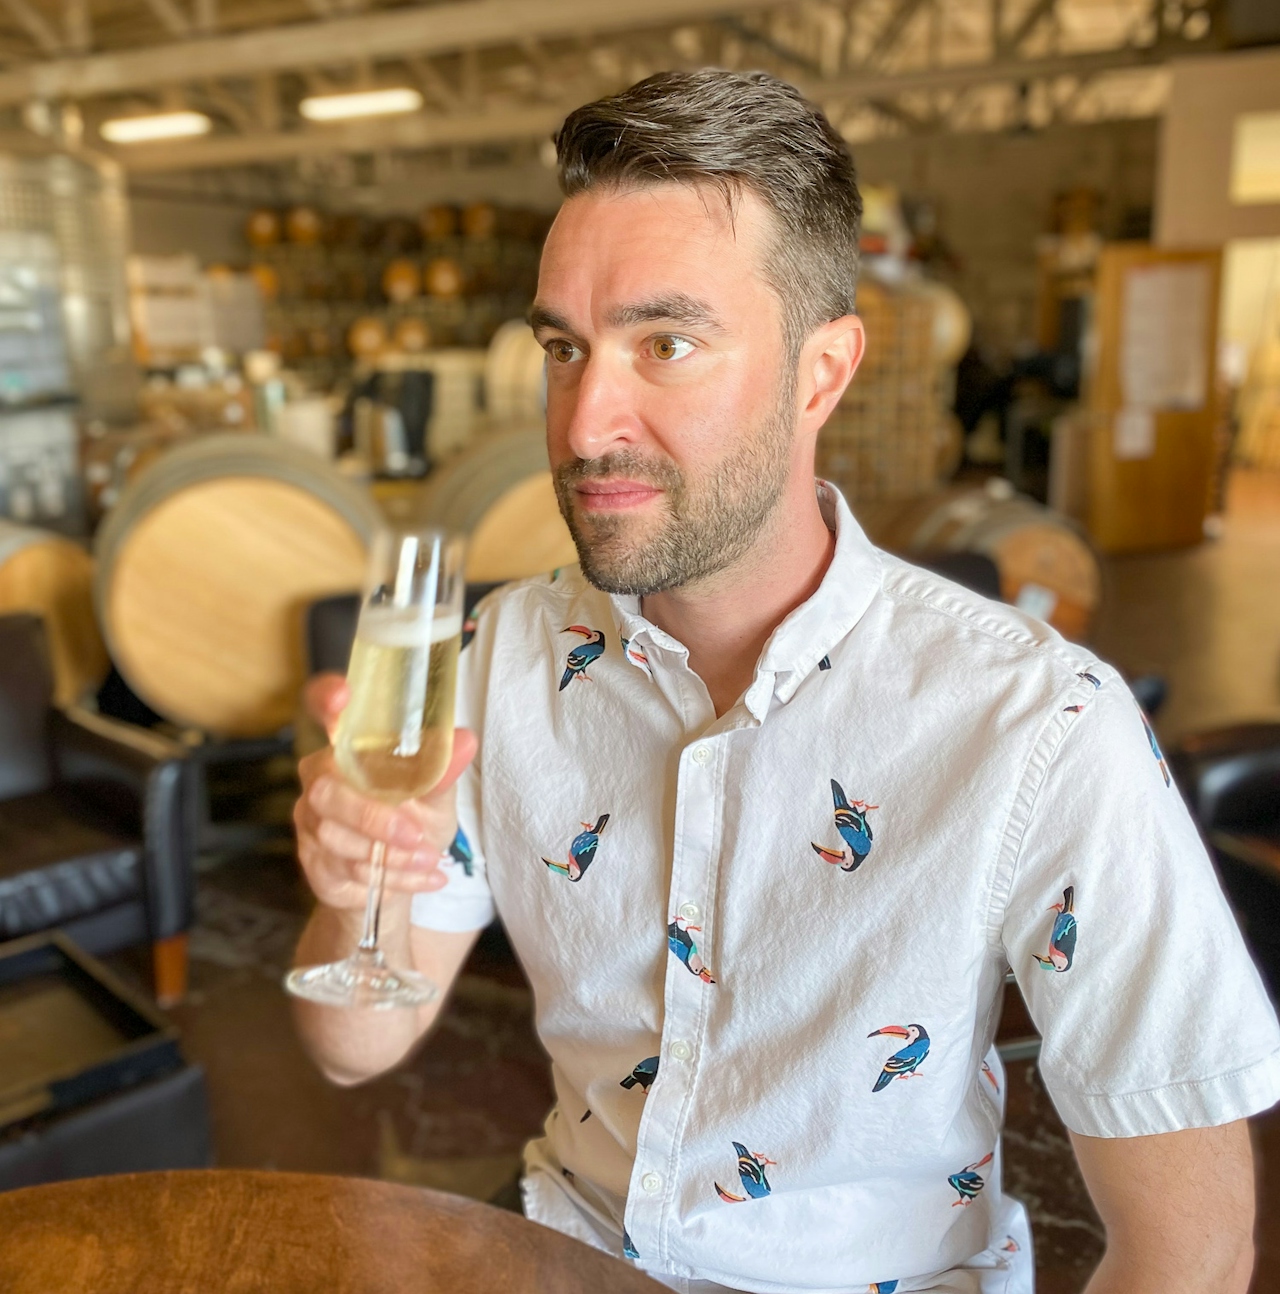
456, 1115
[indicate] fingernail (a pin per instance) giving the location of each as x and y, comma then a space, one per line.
424, 858
405, 832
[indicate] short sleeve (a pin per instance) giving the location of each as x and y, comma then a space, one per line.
465, 902
1152, 1014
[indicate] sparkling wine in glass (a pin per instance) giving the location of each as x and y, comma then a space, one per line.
395, 737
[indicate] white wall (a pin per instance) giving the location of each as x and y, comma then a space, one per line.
1193, 199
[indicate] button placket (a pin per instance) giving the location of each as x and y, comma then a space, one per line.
655, 1175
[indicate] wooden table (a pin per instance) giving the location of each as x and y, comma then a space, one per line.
231, 1232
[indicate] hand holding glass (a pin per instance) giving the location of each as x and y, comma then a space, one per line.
395, 737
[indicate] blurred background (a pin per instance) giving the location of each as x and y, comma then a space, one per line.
264, 266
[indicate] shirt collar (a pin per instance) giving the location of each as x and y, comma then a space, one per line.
812, 630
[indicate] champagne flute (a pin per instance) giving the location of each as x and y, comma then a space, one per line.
395, 737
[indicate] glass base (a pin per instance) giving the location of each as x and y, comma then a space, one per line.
361, 980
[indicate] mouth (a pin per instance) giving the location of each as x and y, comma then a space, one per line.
614, 495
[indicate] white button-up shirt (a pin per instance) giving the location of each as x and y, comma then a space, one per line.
767, 950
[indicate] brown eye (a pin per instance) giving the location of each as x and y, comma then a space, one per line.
666, 347
561, 351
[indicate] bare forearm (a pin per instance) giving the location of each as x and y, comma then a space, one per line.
348, 1044
1121, 1271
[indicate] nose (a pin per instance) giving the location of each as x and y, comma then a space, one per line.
599, 413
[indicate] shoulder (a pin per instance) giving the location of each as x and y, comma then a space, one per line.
975, 629
524, 607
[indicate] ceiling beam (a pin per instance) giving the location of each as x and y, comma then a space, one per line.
412, 131
888, 35
860, 88
170, 17
390, 33
34, 23
1026, 25
532, 121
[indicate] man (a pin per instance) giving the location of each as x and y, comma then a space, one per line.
765, 812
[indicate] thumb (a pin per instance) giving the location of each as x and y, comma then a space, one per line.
325, 697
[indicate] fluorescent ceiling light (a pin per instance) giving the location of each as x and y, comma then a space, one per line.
360, 103
160, 125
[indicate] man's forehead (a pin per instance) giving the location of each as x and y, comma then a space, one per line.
662, 252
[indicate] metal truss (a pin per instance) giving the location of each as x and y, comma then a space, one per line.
495, 73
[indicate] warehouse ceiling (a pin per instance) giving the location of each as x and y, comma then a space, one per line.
503, 73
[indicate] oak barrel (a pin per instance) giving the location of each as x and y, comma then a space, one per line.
499, 493
206, 566
51, 576
1047, 566
515, 376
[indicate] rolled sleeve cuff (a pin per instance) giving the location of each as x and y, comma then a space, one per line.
1204, 1103
451, 912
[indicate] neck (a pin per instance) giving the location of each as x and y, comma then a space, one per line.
726, 619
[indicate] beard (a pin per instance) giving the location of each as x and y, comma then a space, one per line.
708, 521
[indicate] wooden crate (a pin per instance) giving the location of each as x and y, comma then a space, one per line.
883, 440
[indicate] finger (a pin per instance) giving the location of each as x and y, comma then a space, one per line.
354, 847
325, 696
314, 765
330, 797
465, 745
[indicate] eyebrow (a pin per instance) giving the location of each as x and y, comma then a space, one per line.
541, 317
677, 308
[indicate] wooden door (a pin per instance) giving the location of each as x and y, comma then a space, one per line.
1150, 392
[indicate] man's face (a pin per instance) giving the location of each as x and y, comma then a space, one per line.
670, 400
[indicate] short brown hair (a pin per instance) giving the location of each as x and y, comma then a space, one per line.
735, 130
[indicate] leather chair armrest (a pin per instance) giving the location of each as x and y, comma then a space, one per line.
147, 781
1231, 776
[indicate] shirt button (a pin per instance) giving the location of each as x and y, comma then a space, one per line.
690, 912
651, 1183
681, 1050
701, 754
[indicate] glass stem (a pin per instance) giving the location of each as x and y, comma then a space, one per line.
373, 905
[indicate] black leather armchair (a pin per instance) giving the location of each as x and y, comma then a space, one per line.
97, 820
1231, 780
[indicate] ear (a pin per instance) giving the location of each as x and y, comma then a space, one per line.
828, 361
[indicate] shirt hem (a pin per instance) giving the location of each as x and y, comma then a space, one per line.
1201, 1103
452, 917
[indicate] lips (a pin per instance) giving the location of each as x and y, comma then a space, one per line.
614, 495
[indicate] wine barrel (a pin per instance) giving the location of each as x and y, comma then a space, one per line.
206, 566
444, 278
1046, 565
53, 577
499, 494
515, 376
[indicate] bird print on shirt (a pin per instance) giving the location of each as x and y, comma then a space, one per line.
1088, 678
825, 663
1062, 940
582, 850
636, 656
580, 657
1155, 749
643, 1075
460, 851
751, 1168
628, 1249
854, 829
967, 1183
989, 1075
903, 1063
882, 1287
1010, 1246
681, 943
